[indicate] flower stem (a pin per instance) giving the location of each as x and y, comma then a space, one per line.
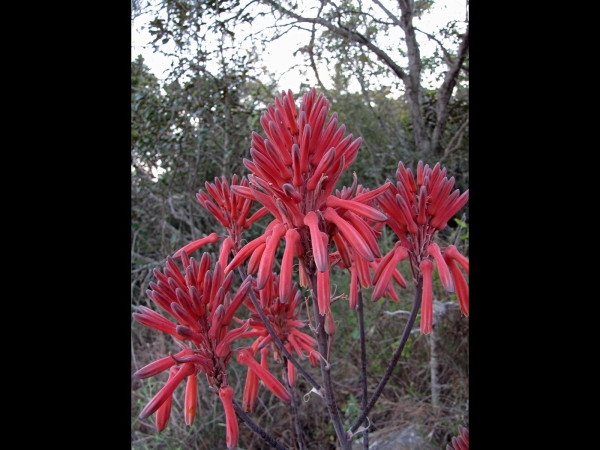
256, 428
294, 405
323, 340
363, 363
395, 357
276, 339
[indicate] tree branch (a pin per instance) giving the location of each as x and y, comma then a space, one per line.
345, 33
445, 91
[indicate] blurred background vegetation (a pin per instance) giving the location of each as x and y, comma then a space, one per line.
194, 123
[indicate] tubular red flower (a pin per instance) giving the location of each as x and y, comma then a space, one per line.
365, 231
287, 261
166, 391
356, 207
422, 215
222, 347
291, 370
439, 194
362, 270
245, 357
264, 363
325, 140
460, 442
311, 220
245, 252
462, 288
160, 365
269, 169
191, 398
407, 214
342, 249
448, 210
324, 163
426, 267
453, 253
232, 434
289, 210
323, 292
407, 178
306, 342
190, 334
434, 250
385, 276
391, 293
266, 264
164, 411
250, 391
420, 173
154, 320
304, 144
216, 212
365, 197
399, 279
259, 214
238, 299
353, 294
352, 236
297, 179
275, 157
297, 348
193, 246
292, 193
255, 258
330, 326
226, 248
383, 262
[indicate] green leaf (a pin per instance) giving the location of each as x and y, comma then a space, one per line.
460, 223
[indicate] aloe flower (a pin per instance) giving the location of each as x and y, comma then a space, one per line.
231, 210
201, 307
368, 226
284, 319
293, 174
416, 210
460, 442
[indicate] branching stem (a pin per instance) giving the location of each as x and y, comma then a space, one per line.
395, 357
256, 428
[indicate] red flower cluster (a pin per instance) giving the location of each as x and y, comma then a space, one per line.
284, 320
294, 172
230, 210
415, 212
200, 301
460, 442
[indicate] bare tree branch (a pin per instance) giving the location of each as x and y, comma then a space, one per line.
445, 91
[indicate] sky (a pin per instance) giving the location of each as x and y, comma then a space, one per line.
279, 59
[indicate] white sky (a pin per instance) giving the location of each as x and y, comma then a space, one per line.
279, 56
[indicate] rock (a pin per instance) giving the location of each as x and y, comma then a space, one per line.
408, 439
